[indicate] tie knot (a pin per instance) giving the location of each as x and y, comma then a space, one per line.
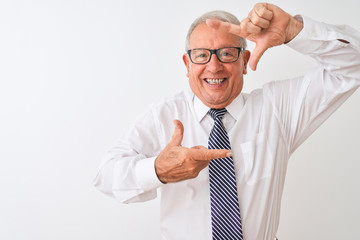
217, 113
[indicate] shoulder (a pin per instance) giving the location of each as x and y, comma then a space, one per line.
173, 106
255, 94
178, 101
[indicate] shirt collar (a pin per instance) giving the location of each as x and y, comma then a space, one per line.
234, 109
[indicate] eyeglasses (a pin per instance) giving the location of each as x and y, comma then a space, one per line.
225, 55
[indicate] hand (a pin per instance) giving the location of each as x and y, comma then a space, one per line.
267, 25
176, 163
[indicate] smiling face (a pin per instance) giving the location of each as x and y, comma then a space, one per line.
216, 84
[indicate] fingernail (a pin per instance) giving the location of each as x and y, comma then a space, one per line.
229, 154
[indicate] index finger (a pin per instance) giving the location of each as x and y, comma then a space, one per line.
225, 27
204, 154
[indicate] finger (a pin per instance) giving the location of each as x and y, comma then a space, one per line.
249, 28
262, 10
204, 154
258, 20
256, 55
225, 27
177, 136
198, 147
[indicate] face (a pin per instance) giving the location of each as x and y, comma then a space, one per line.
216, 84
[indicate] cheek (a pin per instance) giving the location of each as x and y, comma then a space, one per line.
194, 73
192, 78
195, 82
237, 83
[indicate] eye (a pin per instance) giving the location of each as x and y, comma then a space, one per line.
200, 55
228, 54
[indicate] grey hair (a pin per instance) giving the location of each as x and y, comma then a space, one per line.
220, 15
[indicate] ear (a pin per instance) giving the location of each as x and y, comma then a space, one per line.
246, 56
186, 61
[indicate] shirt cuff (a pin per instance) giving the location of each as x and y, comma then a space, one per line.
146, 175
310, 38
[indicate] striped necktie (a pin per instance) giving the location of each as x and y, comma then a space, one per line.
225, 212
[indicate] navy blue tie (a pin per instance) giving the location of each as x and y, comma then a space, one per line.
225, 211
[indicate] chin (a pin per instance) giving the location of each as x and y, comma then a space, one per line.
217, 105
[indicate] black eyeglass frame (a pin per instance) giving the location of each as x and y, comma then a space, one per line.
215, 51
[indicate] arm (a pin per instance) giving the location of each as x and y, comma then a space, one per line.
314, 97
303, 104
127, 169
136, 166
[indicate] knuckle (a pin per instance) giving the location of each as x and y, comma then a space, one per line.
192, 169
184, 155
261, 12
194, 173
180, 163
261, 9
256, 21
207, 155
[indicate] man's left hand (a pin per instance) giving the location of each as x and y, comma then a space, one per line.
267, 25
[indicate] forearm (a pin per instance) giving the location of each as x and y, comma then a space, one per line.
128, 179
127, 170
336, 48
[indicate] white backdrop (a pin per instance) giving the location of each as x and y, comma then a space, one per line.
74, 74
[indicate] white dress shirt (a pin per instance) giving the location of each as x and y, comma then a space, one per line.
264, 127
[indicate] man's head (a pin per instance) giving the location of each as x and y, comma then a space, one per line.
216, 83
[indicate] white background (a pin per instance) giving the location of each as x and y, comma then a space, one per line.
74, 74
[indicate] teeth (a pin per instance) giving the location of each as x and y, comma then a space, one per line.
214, 81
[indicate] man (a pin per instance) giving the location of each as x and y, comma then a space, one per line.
263, 128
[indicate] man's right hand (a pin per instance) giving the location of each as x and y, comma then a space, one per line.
176, 163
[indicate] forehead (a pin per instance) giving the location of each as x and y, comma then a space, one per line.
204, 36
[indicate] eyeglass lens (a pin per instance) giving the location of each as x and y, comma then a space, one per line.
226, 55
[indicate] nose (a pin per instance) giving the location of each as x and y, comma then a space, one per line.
214, 65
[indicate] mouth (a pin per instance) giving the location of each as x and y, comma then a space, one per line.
214, 81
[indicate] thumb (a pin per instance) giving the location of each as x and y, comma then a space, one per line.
256, 55
177, 136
